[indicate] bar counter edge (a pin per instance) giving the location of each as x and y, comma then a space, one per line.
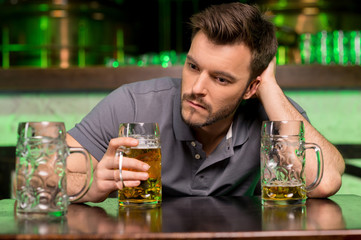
107, 79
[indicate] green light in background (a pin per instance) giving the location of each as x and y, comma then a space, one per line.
340, 49
308, 48
115, 64
44, 58
281, 55
305, 45
44, 23
337, 46
166, 58
140, 63
120, 46
324, 48
81, 43
81, 57
355, 47
156, 59
279, 20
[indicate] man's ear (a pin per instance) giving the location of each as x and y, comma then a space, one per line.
252, 88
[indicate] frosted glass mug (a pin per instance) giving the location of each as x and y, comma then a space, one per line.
283, 162
41, 170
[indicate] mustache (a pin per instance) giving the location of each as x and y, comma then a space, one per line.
193, 97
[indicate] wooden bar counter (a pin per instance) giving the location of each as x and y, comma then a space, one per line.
107, 79
338, 217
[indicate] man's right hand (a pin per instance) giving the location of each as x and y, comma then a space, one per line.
106, 177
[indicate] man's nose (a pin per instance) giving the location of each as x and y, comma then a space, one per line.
200, 84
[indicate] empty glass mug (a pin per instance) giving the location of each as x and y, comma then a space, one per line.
41, 170
283, 163
149, 192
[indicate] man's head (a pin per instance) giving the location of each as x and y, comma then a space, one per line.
234, 23
231, 46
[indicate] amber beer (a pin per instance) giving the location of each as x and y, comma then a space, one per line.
284, 192
148, 192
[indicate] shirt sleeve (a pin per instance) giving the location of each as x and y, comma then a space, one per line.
101, 124
299, 109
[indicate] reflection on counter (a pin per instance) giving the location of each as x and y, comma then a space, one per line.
302, 217
283, 217
190, 214
140, 219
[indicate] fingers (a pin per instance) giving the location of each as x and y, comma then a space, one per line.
131, 184
130, 179
107, 174
108, 180
115, 143
130, 175
134, 164
127, 163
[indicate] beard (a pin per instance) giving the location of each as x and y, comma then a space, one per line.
212, 117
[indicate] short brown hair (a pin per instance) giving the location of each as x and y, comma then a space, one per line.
234, 23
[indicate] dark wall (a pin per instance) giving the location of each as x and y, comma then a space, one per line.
161, 25
7, 160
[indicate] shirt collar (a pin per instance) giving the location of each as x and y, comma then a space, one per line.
239, 129
229, 133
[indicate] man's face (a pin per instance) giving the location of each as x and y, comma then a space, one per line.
214, 81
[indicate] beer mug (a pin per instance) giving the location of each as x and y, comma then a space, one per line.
41, 170
283, 163
149, 192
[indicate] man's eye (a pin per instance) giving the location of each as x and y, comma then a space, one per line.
222, 80
192, 66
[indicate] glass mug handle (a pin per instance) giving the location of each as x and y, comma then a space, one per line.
319, 157
89, 175
119, 155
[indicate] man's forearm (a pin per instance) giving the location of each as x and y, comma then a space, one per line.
278, 107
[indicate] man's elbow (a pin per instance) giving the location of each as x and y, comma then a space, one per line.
327, 187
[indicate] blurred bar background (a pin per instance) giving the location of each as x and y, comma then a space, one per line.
58, 58
113, 33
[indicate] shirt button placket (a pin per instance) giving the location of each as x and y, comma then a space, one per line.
197, 156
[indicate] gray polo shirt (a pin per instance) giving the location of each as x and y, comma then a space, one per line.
231, 169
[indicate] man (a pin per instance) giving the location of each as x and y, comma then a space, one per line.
210, 120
